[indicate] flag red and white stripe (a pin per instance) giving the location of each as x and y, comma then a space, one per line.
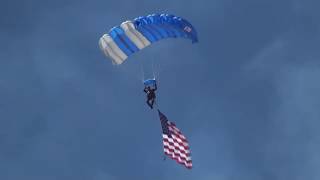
175, 143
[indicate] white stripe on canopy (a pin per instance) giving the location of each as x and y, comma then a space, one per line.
135, 36
111, 49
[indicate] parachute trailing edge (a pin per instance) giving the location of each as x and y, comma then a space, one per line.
133, 36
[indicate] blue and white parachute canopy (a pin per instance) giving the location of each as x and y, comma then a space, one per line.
132, 36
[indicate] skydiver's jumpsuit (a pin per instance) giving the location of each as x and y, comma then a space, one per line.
151, 96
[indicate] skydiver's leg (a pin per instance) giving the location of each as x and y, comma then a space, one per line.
149, 104
152, 102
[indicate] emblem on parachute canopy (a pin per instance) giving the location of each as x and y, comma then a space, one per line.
187, 28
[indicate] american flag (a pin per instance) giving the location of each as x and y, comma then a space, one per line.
175, 144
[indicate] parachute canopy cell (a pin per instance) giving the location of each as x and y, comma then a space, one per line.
132, 36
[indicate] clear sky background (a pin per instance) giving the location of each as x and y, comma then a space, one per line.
247, 96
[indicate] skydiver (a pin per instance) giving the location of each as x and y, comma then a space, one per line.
151, 95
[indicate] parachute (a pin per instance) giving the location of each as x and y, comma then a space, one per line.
132, 36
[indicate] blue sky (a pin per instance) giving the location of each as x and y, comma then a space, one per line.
246, 96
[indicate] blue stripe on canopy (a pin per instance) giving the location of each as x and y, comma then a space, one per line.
123, 42
120, 42
126, 40
160, 24
162, 31
155, 31
148, 34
